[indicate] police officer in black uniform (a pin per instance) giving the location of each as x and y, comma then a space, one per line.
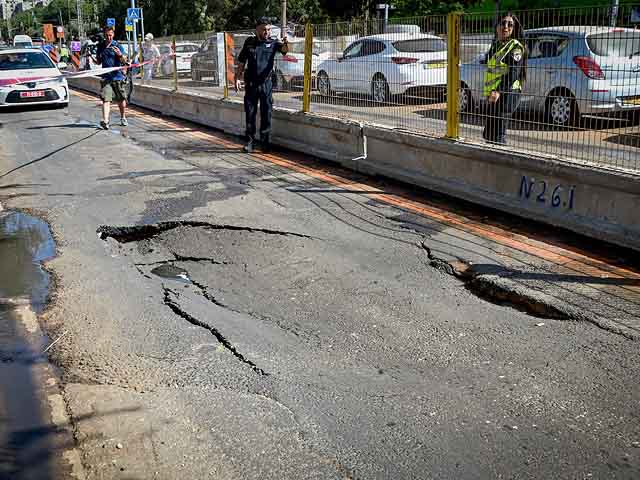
258, 54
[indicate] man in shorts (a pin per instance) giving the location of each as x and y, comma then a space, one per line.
111, 54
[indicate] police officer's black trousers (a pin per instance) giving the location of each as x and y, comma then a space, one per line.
498, 114
262, 93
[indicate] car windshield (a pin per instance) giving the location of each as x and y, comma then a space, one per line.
421, 45
615, 44
22, 44
24, 61
164, 48
186, 48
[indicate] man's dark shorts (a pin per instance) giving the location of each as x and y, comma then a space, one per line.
113, 90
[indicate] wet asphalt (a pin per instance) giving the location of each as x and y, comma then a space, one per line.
278, 328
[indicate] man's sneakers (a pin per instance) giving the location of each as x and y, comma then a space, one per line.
265, 146
123, 121
104, 125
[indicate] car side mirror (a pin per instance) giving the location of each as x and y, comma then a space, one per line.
340, 57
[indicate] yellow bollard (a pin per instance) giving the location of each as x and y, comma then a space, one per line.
226, 70
308, 56
453, 74
175, 63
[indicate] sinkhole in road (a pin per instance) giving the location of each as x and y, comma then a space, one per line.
489, 285
209, 273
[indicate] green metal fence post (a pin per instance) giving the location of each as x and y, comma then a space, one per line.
308, 56
453, 74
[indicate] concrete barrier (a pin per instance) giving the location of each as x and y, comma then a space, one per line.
597, 202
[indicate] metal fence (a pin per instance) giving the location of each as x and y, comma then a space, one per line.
581, 95
393, 74
580, 99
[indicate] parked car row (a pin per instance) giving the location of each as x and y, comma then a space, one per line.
572, 71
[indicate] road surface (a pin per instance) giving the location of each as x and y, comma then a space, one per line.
275, 317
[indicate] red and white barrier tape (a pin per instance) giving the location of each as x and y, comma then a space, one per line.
8, 82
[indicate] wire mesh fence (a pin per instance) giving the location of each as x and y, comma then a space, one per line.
393, 74
578, 71
577, 84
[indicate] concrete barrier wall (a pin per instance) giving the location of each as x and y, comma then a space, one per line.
601, 203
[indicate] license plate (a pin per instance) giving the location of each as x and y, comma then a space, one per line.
434, 65
632, 101
37, 93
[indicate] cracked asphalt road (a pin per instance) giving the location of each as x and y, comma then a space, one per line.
231, 317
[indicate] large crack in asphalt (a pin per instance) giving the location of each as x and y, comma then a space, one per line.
175, 307
485, 288
493, 285
124, 234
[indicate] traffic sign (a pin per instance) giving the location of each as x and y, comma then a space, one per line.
134, 13
75, 46
128, 28
111, 22
128, 22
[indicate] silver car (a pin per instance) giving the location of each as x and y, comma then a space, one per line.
571, 71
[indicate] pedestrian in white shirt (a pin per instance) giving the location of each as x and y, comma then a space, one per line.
150, 53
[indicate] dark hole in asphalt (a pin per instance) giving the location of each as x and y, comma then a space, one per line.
171, 272
26, 437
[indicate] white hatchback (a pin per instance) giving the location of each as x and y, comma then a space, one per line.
386, 65
29, 77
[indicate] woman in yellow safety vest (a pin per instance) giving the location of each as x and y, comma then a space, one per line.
504, 78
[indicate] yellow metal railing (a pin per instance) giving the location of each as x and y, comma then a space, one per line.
453, 74
308, 64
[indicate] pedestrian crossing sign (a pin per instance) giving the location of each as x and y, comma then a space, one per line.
133, 13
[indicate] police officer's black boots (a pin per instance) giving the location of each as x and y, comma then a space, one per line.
265, 144
248, 148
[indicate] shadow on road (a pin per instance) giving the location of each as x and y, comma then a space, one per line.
626, 139
50, 154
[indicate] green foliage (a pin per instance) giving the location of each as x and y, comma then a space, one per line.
414, 8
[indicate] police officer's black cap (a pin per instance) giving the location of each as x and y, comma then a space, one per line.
263, 21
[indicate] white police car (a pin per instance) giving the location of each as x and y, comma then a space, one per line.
21, 74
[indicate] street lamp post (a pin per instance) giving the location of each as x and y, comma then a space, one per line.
283, 32
79, 15
386, 7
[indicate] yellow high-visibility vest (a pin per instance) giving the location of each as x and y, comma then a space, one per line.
497, 68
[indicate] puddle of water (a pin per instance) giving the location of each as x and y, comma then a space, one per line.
26, 443
25, 242
171, 272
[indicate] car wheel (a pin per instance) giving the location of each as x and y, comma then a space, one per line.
465, 100
324, 85
562, 109
380, 89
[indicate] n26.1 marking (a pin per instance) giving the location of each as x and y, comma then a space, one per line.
553, 195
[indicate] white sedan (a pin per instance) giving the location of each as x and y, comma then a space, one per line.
29, 77
184, 52
386, 65
288, 70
